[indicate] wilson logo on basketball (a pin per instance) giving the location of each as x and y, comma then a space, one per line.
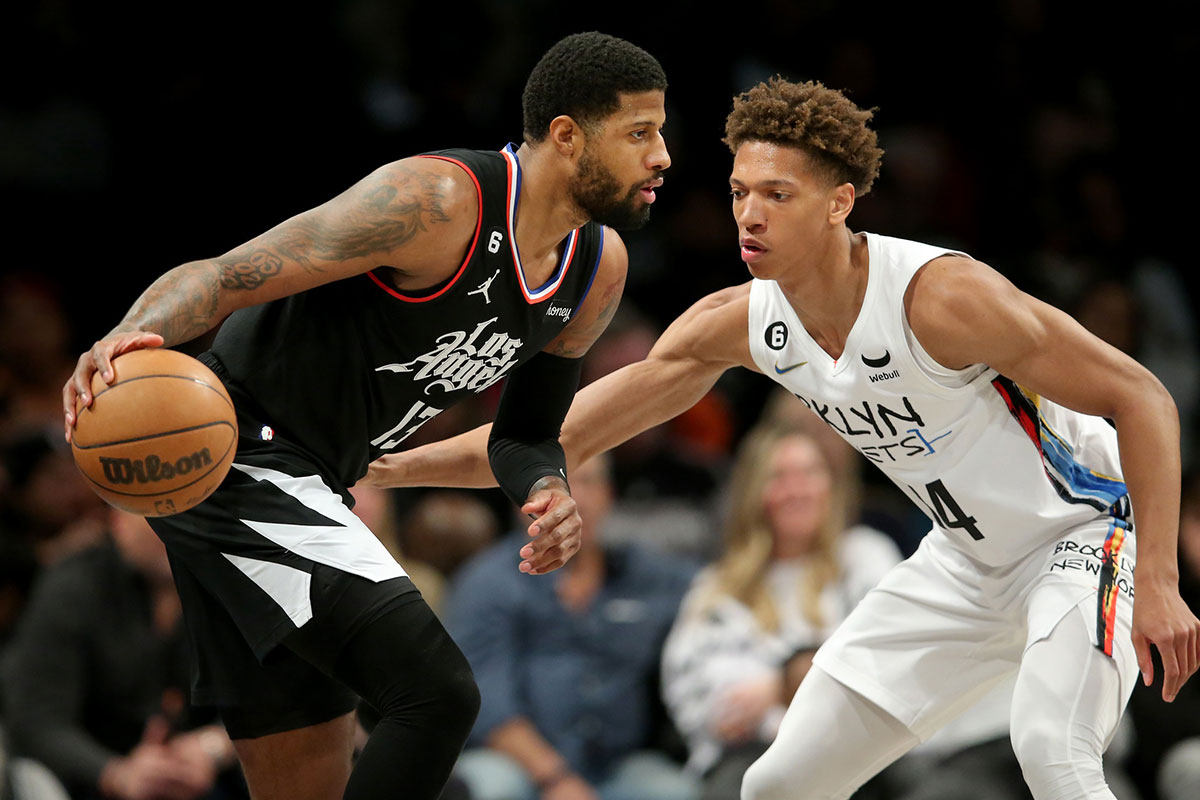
152, 469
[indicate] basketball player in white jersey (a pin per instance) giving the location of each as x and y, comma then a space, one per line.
986, 407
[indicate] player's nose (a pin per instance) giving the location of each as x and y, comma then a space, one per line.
749, 214
659, 159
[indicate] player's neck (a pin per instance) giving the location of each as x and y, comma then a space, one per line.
543, 216
827, 290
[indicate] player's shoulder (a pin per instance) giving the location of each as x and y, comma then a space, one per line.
446, 186
614, 255
727, 305
722, 312
713, 330
953, 286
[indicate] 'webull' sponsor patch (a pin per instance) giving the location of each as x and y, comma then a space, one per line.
152, 468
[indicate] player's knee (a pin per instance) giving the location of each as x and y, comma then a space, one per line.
461, 699
452, 694
442, 695
763, 783
1055, 767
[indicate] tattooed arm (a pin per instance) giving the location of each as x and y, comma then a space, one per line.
417, 212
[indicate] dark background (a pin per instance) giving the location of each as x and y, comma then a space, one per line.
1029, 133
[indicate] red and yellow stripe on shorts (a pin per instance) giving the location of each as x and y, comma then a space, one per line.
1106, 607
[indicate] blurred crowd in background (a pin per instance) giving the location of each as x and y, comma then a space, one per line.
1044, 138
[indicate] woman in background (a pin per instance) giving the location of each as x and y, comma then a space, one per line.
790, 572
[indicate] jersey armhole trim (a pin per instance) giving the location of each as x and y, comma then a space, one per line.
757, 287
470, 251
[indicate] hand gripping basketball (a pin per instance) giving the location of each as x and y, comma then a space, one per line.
157, 439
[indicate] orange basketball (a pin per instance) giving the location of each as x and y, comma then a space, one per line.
158, 439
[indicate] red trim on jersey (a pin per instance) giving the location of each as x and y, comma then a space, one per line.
470, 251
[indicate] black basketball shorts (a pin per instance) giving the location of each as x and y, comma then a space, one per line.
273, 549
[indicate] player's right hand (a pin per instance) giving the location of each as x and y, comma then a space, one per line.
99, 359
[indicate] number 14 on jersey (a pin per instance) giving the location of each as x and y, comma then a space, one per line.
945, 510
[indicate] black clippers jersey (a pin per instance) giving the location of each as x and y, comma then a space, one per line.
347, 371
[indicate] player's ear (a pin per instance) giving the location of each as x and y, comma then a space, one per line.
567, 136
841, 202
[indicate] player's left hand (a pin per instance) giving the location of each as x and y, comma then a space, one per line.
1161, 618
556, 528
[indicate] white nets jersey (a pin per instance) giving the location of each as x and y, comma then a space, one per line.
998, 469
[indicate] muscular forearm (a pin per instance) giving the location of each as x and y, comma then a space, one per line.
633, 399
460, 461
1148, 439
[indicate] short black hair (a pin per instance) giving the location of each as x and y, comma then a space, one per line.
581, 76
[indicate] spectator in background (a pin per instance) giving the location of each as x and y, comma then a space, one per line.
17, 571
446, 528
94, 680
750, 623
24, 779
566, 665
48, 511
35, 356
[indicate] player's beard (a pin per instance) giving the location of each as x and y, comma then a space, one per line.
596, 190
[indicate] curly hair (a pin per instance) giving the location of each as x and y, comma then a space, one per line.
582, 76
822, 122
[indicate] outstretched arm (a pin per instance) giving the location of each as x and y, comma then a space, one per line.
695, 350
415, 212
964, 313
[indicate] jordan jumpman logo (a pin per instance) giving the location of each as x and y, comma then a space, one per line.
484, 287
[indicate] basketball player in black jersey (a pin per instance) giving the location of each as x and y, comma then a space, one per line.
347, 327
